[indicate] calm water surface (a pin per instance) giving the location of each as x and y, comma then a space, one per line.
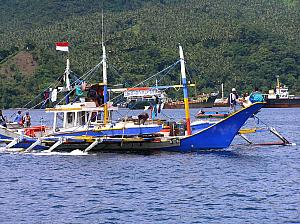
243, 184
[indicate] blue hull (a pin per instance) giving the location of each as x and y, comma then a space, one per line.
27, 143
117, 132
198, 127
3, 137
219, 135
216, 136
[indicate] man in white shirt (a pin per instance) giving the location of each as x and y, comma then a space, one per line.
233, 98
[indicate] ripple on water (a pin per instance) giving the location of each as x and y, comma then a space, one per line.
242, 185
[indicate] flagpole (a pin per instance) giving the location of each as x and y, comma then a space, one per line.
64, 46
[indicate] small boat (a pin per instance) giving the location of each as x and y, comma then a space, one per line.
138, 98
223, 101
201, 101
212, 114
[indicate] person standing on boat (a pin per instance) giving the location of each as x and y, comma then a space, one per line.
19, 118
233, 97
27, 120
46, 98
2, 120
78, 93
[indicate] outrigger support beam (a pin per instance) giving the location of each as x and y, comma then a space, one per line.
96, 142
283, 139
245, 138
58, 143
12, 143
37, 142
285, 142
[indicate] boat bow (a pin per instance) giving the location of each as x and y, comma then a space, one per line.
219, 135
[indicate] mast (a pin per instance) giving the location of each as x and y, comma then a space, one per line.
222, 90
105, 85
67, 79
185, 92
104, 77
67, 74
278, 82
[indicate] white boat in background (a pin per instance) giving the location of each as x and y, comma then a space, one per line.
223, 101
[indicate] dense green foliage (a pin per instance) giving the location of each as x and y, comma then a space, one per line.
240, 43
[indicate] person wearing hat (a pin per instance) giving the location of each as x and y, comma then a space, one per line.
27, 120
233, 97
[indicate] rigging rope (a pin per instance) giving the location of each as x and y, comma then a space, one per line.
169, 67
87, 74
53, 84
91, 71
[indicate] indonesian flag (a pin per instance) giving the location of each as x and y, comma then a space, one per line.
62, 46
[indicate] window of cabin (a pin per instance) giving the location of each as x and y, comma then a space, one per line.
70, 119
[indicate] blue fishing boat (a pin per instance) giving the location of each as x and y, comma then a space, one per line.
216, 136
103, 136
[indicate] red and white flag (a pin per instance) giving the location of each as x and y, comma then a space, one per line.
62, 46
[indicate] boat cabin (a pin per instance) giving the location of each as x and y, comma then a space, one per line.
78, 114
280, 92
142, 94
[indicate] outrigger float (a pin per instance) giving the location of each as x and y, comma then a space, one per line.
89, 127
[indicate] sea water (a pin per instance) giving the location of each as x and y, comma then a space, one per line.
242, 184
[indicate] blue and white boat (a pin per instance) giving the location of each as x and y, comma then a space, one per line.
84, 129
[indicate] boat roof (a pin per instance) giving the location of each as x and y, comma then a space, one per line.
80, 106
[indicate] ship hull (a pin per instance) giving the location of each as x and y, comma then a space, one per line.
139, 130
192, 104
283, 103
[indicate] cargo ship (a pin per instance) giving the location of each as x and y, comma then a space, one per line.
280, 97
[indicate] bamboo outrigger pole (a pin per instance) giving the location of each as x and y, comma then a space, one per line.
185, 92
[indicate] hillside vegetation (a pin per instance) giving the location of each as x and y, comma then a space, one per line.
240, 43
